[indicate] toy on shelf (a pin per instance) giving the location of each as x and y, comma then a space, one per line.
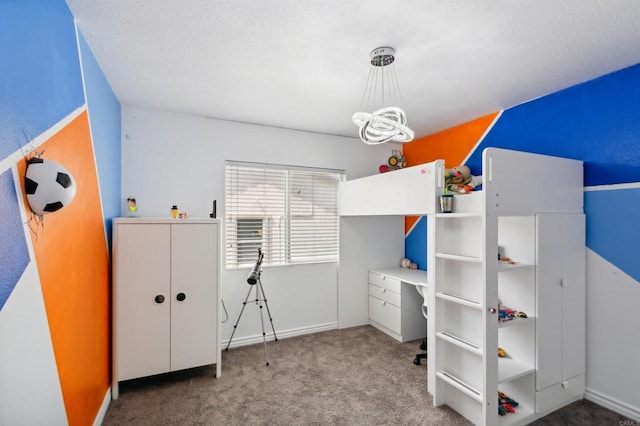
507, 314
395, 162
408, 264
506, 404
460, 180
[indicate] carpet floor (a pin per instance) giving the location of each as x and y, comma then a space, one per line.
355, 376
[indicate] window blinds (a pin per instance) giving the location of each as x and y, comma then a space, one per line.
290, 213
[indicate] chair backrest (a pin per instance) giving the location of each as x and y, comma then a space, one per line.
422, 290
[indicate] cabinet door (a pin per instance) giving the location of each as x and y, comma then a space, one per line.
573, 296
194, 278
561, 298
549, 300
141, 319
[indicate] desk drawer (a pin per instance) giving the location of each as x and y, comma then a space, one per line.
385, 313
384, 294
384, 281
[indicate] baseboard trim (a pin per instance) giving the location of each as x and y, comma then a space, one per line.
250, 340
613, 404
103, 409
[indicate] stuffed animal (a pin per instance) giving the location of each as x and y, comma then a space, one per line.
408, 264
460, 180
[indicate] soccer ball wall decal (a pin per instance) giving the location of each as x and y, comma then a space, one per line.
48, 186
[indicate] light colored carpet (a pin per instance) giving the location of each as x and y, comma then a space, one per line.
354, 376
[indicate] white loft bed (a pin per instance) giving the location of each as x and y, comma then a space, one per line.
406, 192
372, 211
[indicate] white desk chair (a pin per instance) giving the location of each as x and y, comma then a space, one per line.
422, 290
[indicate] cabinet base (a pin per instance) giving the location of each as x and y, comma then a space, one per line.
560, 394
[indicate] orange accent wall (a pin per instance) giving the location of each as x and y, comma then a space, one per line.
73, 264
452, 145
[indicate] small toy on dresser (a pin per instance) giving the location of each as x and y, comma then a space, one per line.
408, 264
460, 180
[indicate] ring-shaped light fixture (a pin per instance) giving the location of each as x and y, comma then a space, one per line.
383, 125
388, 123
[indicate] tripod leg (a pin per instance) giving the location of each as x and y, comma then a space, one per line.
264, 297
244, 304
264, 337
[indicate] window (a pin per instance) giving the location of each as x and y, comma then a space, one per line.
290, 213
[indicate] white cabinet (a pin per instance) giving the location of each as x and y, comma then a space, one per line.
395, 306
165, 296
561, 310
541, 229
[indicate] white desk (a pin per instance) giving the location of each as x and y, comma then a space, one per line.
395, 307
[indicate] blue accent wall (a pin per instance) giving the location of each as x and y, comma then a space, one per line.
105, 120
14, 254
612, 227
40, 70
597, 122
415, 243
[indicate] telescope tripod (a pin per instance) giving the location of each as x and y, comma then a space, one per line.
260, 297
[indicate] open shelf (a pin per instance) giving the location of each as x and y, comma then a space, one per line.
506, 266
523, 415
457, 215
510, 369
515, 321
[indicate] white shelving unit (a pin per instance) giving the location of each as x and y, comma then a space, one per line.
470, 285
531, 206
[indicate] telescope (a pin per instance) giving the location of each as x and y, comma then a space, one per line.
255, 284
254, 275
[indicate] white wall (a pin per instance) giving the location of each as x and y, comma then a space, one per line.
612, 337
170, 158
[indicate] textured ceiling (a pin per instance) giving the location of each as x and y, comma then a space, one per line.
304, 64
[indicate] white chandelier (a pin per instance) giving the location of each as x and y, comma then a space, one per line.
387, 123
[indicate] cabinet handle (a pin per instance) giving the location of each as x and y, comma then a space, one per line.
180, 297
493, 310
384, 290
159, 299
383, 303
